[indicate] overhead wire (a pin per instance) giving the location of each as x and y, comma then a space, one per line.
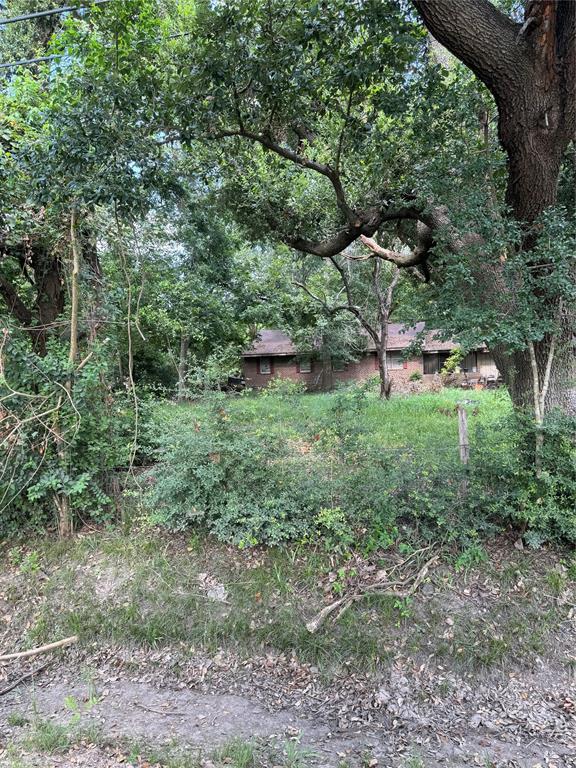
52, 57
44, 14
51, 12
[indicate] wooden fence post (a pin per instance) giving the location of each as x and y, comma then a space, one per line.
463, 434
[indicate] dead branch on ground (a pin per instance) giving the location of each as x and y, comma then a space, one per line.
42, 649
399, 589
25, 677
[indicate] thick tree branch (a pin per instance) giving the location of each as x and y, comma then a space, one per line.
480, 36
367, 223
295, 157
412, 259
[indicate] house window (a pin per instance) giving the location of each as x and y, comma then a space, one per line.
433, 361
338, 364
265, 365
305, 365
469, 363
394, 360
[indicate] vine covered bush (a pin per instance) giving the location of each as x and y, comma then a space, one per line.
59, 439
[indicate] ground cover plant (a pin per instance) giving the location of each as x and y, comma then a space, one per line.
348, 470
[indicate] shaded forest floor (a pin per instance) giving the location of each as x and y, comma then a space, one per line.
193, 654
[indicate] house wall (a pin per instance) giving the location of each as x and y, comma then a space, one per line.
287, 368
486, 364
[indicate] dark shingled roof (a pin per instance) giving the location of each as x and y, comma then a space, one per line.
273, 342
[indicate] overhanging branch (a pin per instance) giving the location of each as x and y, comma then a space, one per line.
323, 169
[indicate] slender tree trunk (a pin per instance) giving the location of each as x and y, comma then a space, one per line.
517, 371
183, 365
385, 382
327, 382
385, 301
62, 501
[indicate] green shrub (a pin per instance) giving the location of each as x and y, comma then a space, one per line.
543, 503
60, 438
415, 376
283, 388
351, 471
246, 488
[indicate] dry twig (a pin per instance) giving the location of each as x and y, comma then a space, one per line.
399, 589
42, 649
25, 677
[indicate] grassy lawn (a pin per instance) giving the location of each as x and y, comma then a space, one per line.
416, 421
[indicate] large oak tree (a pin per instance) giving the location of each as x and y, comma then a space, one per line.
332, 124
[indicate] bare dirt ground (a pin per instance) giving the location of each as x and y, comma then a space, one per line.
428, 705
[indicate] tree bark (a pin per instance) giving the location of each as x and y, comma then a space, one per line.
516, 370
530, 68
384, 299
49, 296
531, 71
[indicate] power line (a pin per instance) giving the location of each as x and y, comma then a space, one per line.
39, 59
22, 62
51, 12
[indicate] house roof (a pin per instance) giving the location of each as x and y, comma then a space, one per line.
272, 342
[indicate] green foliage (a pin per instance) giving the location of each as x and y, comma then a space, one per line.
454, 359
283, 388
344, 469
334, 529
245, 487
57, 440
350, 471
541, 501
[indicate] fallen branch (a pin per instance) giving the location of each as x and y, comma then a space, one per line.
397, 589
25, 677
41, 649
158, 711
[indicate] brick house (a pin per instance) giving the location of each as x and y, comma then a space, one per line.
274, 355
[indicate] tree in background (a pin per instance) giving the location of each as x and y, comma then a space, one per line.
368, 295
342, 126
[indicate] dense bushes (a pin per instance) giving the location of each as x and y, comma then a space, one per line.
346, 469
60, 435
540, 502
247, 487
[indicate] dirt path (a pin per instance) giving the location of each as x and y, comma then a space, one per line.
198, 648
470, 727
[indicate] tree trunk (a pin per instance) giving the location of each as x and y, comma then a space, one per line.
530, 69
516, 370
385, 382
183, 365
326, 380
49, 296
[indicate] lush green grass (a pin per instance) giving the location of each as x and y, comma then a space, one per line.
415, 421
